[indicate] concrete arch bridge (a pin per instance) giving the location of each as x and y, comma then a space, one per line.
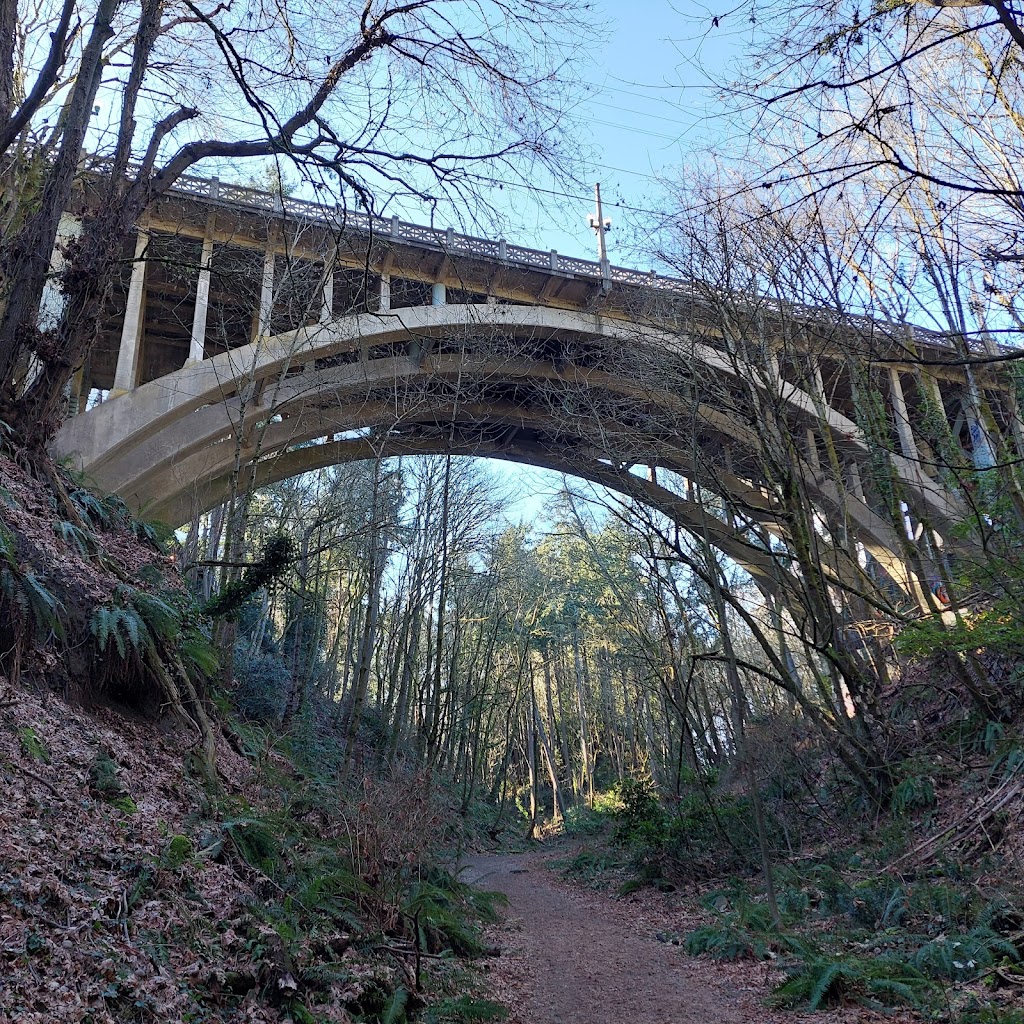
253, 339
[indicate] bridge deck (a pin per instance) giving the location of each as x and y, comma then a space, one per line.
231, 229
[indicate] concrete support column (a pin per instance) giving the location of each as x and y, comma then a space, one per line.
75, 397
127, 372
816, 387
771, 365
1016, 426
197, 344
819, 382
930, 386
385, 292
1011, 405
266, 295
855, 483
812, 451
899, 407
982, 451
438, 294
327, 295
52, 305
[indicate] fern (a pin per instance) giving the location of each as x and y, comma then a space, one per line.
331, 883
879, 902
964, 956
29, 594
9, 584
129, 625
117, 512
161, 619
395, 1012
121, 625
100, 625
135, 622
912, 794
255, 842
833, 976
1008, 764
90, 508
821, 981
323, 975
154, 533
75, 538
726, 941
42, 607
465, 1010
198, 653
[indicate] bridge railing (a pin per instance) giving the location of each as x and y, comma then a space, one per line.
230, 195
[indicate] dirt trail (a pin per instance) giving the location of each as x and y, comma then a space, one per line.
571, 956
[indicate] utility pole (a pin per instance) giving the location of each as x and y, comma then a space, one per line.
601, 226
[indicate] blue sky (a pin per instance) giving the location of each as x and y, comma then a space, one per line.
647, 106
651, 108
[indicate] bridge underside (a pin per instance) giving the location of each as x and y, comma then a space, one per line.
627, 407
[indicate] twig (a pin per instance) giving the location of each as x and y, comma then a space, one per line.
412, 952
122, 914
42, 782
976, 816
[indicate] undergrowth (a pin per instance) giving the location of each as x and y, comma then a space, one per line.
356, 891
946, 939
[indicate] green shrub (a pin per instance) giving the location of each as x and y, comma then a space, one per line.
262, 685
705, 835
583, 821
641, 822
727, 941
588, 865
820, 980
960, 957
714, 835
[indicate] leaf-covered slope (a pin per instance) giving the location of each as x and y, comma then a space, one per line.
122, 898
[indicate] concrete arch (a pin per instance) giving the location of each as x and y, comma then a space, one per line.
106, 440
623, 400
768, 570
199, 480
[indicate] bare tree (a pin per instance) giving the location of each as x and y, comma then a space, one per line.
339, 90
